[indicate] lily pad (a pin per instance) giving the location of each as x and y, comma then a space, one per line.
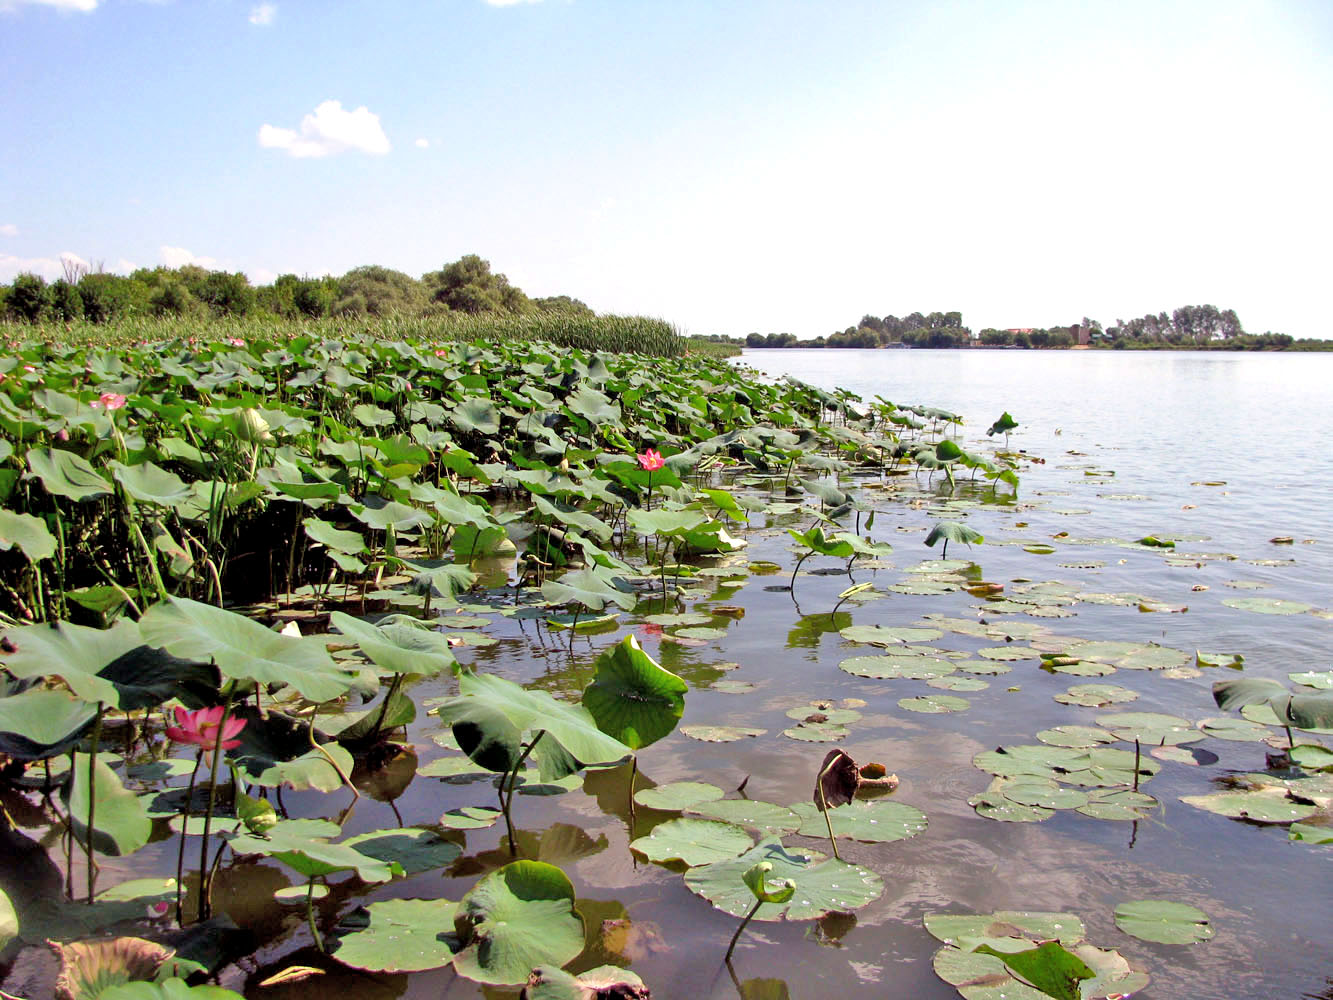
1117, 804
721, 734
1267, 605
693, 842
1238, 730
768, 818
935, 704
877, 822
896, 665
1258, 805
883, 635
1096, 695
1153, 728
677, 796
398, 935
1163, 921
822, 887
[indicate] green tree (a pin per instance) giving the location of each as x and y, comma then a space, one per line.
66, 302
468, 285
563, 304
379, 291
29, 298
110, 296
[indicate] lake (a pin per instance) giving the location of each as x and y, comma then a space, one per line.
1218, 454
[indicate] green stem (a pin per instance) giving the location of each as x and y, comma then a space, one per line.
737, 936
310, 914
185, 828
507, 799
332, 763
92, 802
204, 887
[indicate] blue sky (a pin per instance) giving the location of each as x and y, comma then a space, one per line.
731, 166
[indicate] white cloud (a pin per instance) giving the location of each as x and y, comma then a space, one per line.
327, 131
9, 229
49, 268
80, 5
422, 144
179, 257
263, 14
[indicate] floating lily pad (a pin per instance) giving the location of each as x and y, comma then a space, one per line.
952, 682
882, 635
994, 804
1117, 804
1152, 728
983, 667
817, 732
878, 822
831, 716
822, 887
398, 935
897, 665
728, 686
935, 704
1082, 668
720, 734
1008, 653
1239, 730
1096, 695
699, 632
677, 796
693, 842
469, 818
1163, 921
1258, 805
767, 817
1075, 736
1047, 794
1310, 833
1320, 679
1267, 605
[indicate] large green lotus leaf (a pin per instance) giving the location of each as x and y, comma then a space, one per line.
1237, 730
1075, 736
677, 796
572, 517
28, 533
398, 935
476, 416
529, 711
400, 648
720, 734
9, 921
1258, 805
1242, 691
1034, 760
768, 818
368, 415
514, 920
382, 515
310, 770
815, 541
664, 522
336, 539
484, 731
1320, 679
935, 704
1007, 653
822, 887
1150, 727
1117, 804
1310, 833
877, 822
394, 712
693, 841
1313, 712
883, 635
993, 804
120, 822
66, 474
243, 649
596, 407
632, 698
457, 510
42, 723
953, 531
1049, 967
415, 850
1163, 921
304, 846
75, 653
592, 587
150, 483
1044, 793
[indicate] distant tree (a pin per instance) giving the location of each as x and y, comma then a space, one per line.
468, 285
29, 298
1059, 337
564, 304
382, 292
226, 294
66, 302
992, 337
755, 340
111, 296
172, 298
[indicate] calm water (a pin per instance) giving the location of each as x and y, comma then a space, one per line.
1161, 423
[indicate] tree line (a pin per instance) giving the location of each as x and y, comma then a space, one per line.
468, 285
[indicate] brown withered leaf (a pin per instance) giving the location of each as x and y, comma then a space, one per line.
837, 779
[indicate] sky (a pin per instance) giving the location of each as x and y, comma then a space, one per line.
772, 165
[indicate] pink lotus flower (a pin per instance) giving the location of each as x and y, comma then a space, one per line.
651, 629
62, 434
202, 728
29, 368
651, 460
236, 341
111, 400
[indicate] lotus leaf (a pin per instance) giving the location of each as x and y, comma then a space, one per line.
766, 817
514, 920
1163, 921
415, 850
120, 823
693, 842
1096, 695
721, 734
877, 822
398, 935
677, 796
821, 886
935, 704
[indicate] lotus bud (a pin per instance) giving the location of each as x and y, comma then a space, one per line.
251, 427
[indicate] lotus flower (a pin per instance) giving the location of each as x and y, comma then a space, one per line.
236, 341
111, 400
202, 728
651, 460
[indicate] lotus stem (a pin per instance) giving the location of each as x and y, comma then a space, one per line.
823, 807
204, 907
92, 802
633, 771
185, 827
797, 569
506, 800
329, 757
1137, 758
737, 936
310, 914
